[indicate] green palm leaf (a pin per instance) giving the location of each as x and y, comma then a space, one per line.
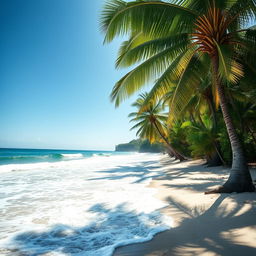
142, 74
154, 18
187, 84
131, 53
229, 68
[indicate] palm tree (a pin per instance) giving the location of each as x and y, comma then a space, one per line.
173, 42
151, 124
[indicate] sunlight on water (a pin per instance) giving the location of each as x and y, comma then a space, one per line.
79, 207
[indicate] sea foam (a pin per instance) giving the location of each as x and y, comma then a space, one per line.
78, 155
79, 207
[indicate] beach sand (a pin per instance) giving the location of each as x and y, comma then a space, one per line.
202, 224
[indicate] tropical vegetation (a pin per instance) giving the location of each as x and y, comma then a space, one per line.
199, 58
151, 124
141, 145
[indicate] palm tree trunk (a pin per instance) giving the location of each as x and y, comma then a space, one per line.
169, 152
173, 151
240, 178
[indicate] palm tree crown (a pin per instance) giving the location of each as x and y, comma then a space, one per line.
145, 120
176, 44
151, 123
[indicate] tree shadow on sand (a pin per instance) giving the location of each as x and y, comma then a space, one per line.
193, 235
141, 172
189, 239
182, 240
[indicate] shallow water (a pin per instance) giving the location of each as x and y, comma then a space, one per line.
79, 207
21, 156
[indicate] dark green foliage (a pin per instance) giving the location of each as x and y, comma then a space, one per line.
140, 146
200, 143
225, 145
132, 146
178, 139
250, 148
194, 139
146, 146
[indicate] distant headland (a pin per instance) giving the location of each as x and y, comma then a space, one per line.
140, 146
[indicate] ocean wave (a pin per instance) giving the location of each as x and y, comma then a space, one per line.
78, 155
39, 158
2, 158
102, 154
79, 206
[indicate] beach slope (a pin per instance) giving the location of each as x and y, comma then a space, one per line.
203, 224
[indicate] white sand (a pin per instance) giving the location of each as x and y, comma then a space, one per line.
203, 224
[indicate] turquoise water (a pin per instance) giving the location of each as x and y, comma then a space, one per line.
24, 156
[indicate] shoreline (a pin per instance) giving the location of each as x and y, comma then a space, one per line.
216, 224
79, 206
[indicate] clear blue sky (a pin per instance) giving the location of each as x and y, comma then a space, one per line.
56, 76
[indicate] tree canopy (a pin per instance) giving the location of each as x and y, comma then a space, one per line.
199, 57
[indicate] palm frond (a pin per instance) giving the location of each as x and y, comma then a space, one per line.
126, 46
141, 75
187, 84
139, 124
240, 13
166, 81
229, 68
154, 18
131, 53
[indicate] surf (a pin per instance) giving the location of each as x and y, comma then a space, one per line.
81, 206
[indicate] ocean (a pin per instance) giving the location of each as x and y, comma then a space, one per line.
76, 203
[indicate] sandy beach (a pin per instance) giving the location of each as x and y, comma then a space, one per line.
202, 224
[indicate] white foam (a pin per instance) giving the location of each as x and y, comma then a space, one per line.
78, 155
79, 207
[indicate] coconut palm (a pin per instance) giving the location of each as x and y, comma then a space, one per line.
173, 42
151, 124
